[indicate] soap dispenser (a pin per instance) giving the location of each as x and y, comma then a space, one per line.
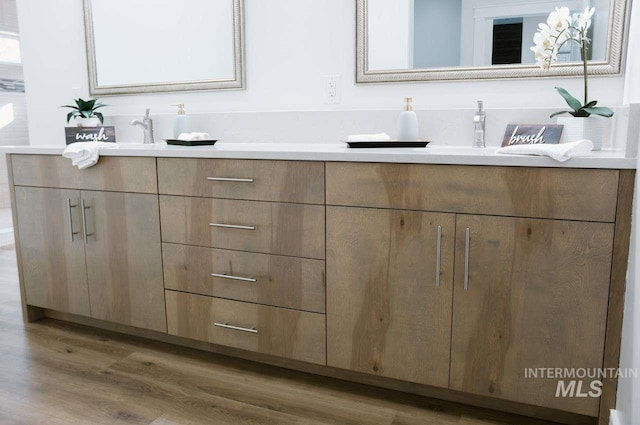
407, 122
181, 122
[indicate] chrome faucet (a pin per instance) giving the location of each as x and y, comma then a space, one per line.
147, 126
479, 120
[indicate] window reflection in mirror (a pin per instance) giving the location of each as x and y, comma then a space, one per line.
423, 34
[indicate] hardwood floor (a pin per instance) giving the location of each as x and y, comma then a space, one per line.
54, 372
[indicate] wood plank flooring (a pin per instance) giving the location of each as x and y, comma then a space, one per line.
54, 372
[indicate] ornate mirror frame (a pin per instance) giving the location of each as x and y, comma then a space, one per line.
237, 82
612, 65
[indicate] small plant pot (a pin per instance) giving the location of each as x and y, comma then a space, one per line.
593, 128
87, 122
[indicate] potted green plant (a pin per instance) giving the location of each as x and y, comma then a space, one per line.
586, 120
84, 113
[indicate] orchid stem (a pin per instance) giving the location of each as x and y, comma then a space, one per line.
586, 73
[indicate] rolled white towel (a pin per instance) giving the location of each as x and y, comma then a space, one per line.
368, 137
85, 154
189, 137
561, 152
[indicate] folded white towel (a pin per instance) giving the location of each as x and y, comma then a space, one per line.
85, 154
562, 152
368, 137
189, 137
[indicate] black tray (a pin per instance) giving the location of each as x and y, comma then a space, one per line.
191, 142
389, 144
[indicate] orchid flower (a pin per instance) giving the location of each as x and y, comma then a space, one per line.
551, 36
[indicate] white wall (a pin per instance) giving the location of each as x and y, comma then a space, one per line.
628, 405
291, 46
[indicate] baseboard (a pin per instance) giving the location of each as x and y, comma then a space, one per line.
615, 418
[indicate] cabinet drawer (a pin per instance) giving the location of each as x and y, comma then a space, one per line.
264, 279
117, 174
265, 227
271, 330
283, 181
572, 194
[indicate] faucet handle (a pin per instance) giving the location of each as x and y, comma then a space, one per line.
146, 112
480, 106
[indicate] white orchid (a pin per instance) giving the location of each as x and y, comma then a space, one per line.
551, 36
560, 19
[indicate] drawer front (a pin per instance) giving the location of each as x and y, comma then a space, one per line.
282, 181
276, 331
572, 194
264, 227
117, 174
275, 280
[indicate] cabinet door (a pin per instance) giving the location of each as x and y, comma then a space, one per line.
124, 260
387, 314
52, 249
535, 297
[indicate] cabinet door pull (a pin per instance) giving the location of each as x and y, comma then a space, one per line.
438, 255
69, 206
467, 238
228, 276
84, 222
226, 325
232, 226
229, 179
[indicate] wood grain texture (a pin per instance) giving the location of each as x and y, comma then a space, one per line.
617, 290
438, 398
284, 229
281, 181
29, 313
53, 267
85, 375
124, 259
573, 194
385, 315
119, 174
296, 283
537, 298
281, 332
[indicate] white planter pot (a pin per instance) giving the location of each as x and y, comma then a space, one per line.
593, 128
87, 122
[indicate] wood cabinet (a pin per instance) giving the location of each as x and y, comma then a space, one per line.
52, 249
91, 253
390, 285
294, 230
124, 260
530, 294
297, 283
283, 332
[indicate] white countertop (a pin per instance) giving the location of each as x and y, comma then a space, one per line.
340, 152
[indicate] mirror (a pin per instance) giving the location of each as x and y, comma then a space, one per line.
418, 40
147, 46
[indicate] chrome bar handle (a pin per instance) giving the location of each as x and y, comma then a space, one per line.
228, 276
85, 235
467, 239
438, 255
226, 325
69, 206
232, 226
229, 179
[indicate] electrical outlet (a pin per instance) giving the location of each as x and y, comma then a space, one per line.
331, 89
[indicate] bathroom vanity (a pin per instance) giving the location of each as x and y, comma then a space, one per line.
444, 274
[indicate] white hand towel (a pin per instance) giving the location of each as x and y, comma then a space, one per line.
561, 152
368, 137
189, 137
85, 154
